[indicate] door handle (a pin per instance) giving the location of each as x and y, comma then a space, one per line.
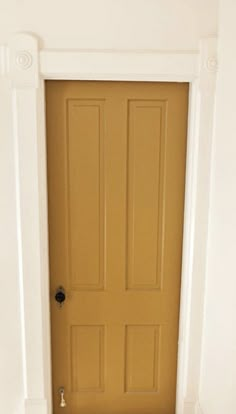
60, 295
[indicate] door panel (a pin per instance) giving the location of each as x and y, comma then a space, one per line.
116, 172
87, 358
142, 358
85, 164
146, 125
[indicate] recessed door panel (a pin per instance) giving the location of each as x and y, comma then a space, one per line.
142, 349
146, 148
87, 358
116, 171
85, 146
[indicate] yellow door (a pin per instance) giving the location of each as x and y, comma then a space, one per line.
116, 173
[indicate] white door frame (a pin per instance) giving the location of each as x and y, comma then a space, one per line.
26, 67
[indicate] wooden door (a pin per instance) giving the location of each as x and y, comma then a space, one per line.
116, 173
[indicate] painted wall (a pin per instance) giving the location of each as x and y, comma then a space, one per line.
128, 24
158, 24
218, 376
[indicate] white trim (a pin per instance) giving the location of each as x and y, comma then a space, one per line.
3, 60
198, 408
35, 406
25, 66
188, 246
119, 65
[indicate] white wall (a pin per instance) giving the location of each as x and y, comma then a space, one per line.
218, 379
164, 24
126, 24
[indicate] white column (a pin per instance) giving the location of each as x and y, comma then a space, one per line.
24, 82
193, 306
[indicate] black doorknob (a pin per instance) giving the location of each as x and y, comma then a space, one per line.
60, 295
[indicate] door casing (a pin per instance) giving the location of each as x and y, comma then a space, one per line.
27, 67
